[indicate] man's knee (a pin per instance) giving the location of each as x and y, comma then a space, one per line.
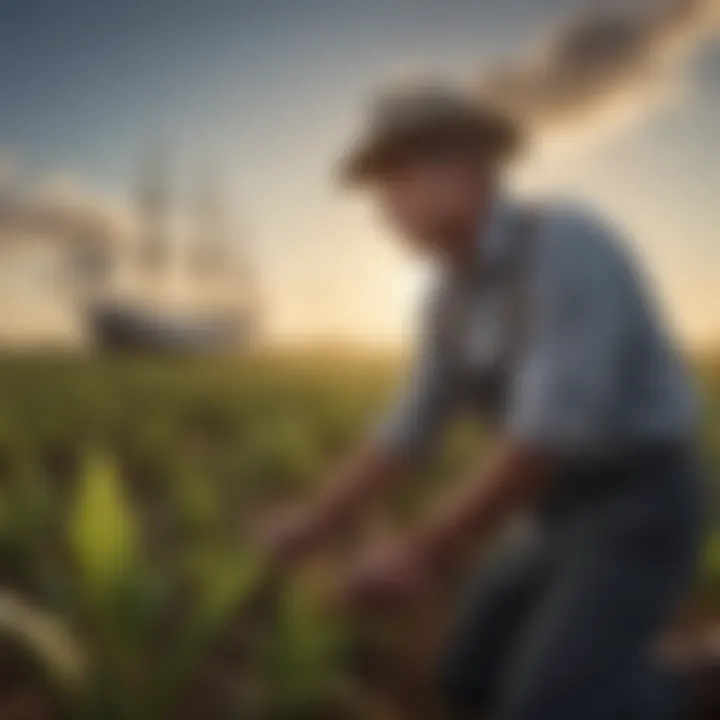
487, 625
468, 690
554, 692
461, 685
518, 702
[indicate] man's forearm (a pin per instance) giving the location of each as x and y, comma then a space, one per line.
367, 473
509, 480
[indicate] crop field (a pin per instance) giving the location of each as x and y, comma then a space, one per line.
129, 584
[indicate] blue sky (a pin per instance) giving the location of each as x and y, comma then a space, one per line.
83, 80
267, 90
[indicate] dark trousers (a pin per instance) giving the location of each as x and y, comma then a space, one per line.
562, 618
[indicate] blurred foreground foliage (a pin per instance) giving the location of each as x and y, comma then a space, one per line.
129, 589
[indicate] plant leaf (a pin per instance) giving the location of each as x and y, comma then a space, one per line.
104, 535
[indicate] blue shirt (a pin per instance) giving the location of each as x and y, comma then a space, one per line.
593, 371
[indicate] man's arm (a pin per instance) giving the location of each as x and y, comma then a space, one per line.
364, 476
505, 482
412, 428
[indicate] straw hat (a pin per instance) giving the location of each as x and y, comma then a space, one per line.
414, 119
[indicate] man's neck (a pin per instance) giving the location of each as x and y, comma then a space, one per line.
463, 245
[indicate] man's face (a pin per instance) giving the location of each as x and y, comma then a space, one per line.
433, 202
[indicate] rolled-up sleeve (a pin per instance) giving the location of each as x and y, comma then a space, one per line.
565, 393
428, 398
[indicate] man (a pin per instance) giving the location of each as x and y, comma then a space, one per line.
541, 326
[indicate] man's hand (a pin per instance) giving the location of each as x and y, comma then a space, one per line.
294, 534
392, 575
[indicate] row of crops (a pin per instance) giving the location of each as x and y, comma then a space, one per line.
129, 586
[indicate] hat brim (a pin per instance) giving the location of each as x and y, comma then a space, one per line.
492, 139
